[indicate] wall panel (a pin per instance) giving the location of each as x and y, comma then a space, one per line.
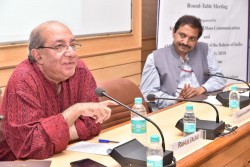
148, 45
114, 59
122, 71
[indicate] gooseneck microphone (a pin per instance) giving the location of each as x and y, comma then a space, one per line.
212, 128
100, 92
152, 97
223, 97
124, 153
222, 76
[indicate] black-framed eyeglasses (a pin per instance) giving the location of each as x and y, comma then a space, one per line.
61, 47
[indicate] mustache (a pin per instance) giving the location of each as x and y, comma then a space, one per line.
187, 46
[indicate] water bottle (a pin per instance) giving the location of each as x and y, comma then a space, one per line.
234, 100
189, 121
139, 124
154, 152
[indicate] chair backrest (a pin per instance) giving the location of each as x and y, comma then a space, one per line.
124, 91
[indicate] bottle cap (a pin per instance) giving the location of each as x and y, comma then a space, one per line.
189, 107
154, 138
138, 100
234, 87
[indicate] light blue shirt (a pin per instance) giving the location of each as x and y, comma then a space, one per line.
187, 76
150, 81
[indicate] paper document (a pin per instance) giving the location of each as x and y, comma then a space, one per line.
95, 148
213, 100
245, 94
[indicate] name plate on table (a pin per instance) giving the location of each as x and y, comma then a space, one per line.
189, 142
242, 115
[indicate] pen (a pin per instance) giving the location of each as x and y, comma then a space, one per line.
107, 141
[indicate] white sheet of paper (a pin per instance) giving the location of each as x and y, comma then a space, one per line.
213, 100
95, 148
245, 94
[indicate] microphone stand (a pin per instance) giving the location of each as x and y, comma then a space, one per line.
236, 79
213, 129
148, 119
121, 153
223, 97
217, 113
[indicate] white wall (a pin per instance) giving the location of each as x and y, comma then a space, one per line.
84, 17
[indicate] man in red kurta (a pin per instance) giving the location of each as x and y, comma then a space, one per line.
49, 100
0, 98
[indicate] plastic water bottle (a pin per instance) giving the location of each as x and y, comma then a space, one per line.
189, 121
139, 124
154, 152
234, 100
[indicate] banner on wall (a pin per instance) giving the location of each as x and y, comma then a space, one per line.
225, 24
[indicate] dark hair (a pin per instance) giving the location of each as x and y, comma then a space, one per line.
192, 21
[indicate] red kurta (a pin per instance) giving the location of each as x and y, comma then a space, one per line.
33, 125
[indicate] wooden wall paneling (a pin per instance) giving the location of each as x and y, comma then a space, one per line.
121, 71
145, 55
135, 78
149, 18
10, 56
4, 76
113, 43
114, 59
148, 45
2, 90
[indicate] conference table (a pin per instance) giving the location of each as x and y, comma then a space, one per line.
229, 150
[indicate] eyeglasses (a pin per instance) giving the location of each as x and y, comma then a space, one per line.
192, 39
61, 47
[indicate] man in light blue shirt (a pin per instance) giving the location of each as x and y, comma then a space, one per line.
177, 71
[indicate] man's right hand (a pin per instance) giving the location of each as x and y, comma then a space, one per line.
98, 111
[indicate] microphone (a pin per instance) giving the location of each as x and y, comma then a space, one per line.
133, 153
223, 97
220, 75
212, 128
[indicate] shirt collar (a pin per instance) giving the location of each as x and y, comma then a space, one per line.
186, 57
